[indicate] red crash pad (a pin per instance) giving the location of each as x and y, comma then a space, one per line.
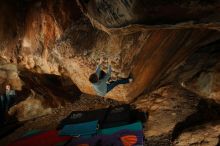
49, 138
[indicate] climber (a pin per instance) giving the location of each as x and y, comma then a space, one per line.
100, 79
6, 101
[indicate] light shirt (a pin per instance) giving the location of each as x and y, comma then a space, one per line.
101, 86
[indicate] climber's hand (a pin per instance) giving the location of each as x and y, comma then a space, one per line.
109, 61
100, 60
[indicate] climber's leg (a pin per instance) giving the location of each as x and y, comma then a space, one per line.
112, 84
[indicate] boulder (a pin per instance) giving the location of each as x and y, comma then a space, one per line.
166, 106
203, 135
56, 38
199, 73
111, 15
32, 107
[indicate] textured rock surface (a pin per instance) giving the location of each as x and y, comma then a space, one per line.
153, 13
43, 92
203, 135
9, 75
173, 112
147, 62
167, 107
57, 39
32, 107
205, 82
199, 73
36, 93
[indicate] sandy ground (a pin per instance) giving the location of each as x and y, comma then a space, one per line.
47, 122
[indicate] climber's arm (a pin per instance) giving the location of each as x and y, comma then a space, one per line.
98, 68
108, 74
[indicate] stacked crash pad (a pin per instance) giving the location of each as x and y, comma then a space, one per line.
113, 126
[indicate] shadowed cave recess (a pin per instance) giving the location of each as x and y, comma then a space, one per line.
49, 48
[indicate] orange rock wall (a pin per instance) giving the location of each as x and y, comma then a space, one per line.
56, 38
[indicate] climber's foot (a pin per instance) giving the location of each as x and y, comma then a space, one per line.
130, 78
